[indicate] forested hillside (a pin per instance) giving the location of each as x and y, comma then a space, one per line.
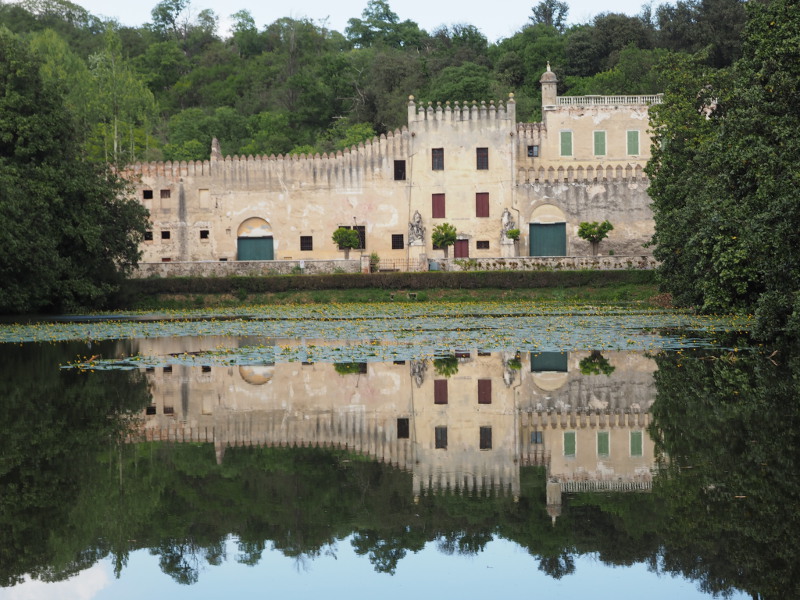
164, 89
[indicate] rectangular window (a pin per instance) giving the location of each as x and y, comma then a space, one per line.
602, 443
482, 244
397, 241
533, 151
482, 158
204, 234
633, 143
636, 443
147, 194
306, 243
440, 434
566, 143
150, 410
437, 159
165, 193
486, 438
148, 236
569, 443
399, 170
484, 391
403, 429
440, 391
482, 204
437, 206
166, 259
599, 143
165, 235
536, 437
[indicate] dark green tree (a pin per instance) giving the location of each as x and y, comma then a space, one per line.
724, 181
550, 12
69, 233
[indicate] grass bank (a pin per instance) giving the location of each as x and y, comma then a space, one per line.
568, 286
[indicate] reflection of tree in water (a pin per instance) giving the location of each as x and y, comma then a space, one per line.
733, 421
731, 428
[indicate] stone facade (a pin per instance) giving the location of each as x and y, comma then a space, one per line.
468, 164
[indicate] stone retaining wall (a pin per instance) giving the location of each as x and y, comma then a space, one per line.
246, 268
549, 263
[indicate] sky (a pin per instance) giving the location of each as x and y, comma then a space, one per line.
496, 20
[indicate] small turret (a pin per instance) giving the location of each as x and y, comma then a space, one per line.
549, 82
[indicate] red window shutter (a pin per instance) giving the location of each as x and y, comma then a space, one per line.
438, 211
482, 204
440, 391
484, 391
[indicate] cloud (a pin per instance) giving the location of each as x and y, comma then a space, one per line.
84, 586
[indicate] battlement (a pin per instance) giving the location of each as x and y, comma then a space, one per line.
338, 167
461, 112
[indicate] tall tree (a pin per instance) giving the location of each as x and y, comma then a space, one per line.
67, 231
550, 12
724, 178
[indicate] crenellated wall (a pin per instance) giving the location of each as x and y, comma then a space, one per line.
467, 164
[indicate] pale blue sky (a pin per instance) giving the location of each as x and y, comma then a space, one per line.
496, 19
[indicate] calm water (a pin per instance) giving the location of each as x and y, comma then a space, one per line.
554, 450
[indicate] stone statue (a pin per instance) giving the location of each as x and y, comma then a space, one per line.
418, 368
416, 231
507, 223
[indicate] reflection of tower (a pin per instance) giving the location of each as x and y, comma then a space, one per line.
553, 499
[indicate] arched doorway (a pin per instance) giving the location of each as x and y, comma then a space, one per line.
548, 232
254, 240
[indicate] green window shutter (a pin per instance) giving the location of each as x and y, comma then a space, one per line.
602, 443
636, 443
569, 443
566, 143
633, 143
599, 143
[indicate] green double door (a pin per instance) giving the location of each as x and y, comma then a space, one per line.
255, 248
548, 239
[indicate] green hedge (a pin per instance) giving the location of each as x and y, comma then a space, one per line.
387, 281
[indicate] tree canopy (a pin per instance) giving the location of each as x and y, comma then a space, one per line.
67, 231
724, 180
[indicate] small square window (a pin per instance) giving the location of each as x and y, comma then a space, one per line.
403, 429
169, 410
165, 259
204, 234
437, 159
167, 369
399, 170
482, 158
486, 438
482, 244
165, 235
533, 151
440, 434
147, 194
150, 410
397, 241
165, 193
148, 236
206, 368
306, 243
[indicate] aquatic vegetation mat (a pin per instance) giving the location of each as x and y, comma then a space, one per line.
378, 332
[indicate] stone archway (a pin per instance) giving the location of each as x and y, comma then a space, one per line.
254, 240
548, 231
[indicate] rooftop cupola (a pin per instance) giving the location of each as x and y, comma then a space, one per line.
549, 82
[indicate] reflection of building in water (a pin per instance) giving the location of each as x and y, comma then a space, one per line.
465, 424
